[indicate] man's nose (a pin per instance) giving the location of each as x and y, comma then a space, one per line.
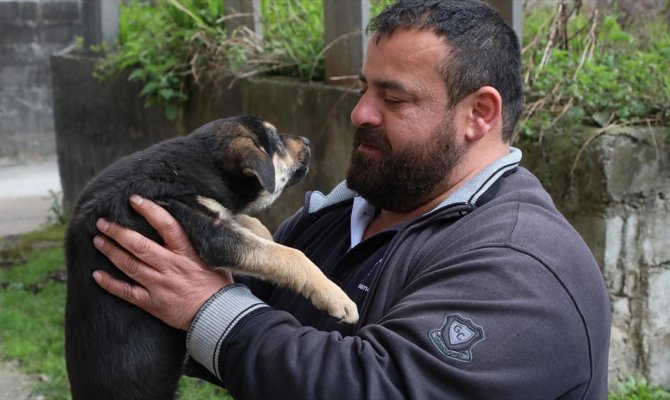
366, 112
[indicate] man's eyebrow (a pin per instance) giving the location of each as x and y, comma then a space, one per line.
385, 84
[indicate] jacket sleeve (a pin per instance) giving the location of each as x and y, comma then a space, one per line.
490, 323
261, 353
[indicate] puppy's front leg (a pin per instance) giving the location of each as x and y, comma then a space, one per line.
254, 225
290, 268
223, 242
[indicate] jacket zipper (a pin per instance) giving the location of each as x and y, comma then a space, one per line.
441, 214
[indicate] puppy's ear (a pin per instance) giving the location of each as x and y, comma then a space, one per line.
261, 167
243, 154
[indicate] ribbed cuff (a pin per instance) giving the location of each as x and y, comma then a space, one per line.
215, 320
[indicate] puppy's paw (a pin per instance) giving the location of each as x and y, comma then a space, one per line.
349, 313
338, 305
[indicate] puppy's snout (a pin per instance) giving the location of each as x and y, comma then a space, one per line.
298, 148
305, 154
300, 153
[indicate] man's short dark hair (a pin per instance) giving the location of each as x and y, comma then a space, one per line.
485, 50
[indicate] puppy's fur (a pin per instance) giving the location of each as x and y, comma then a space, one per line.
206, 180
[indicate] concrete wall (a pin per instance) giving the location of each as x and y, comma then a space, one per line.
30, 30
614, 186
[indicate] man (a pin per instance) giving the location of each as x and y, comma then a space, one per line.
469, 282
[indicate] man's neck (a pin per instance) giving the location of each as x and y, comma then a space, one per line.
387, 219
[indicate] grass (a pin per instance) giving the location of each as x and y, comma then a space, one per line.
32, 299
32, 303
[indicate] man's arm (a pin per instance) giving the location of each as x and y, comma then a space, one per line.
464, 330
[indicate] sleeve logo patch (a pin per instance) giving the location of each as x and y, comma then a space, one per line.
456, 337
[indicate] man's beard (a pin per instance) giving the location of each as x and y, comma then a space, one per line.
404, 180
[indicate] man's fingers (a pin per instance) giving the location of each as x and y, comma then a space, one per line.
141, 247
126, 262
164, 223
134, 294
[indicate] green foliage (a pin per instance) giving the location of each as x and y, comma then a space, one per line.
166, 43
633, 389
57, 215
293, 31
581, 70
156, 46
196, 389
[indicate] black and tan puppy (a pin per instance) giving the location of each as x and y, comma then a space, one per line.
208, 181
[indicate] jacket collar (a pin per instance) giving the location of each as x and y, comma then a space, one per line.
472, 190
469, 193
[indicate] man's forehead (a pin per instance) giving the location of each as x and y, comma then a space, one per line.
390, 84
400, 63
410, 41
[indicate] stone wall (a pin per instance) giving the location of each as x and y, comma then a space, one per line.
30, 31
613, 185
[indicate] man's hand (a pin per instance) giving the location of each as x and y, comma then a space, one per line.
173, 281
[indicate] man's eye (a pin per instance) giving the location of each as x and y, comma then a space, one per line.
391, 100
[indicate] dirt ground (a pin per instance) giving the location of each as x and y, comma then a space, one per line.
13, 384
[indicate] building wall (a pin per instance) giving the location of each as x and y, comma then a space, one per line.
30, 30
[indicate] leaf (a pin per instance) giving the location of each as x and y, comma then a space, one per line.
171, 111
166, 94
137, 74
600, 118
148, 88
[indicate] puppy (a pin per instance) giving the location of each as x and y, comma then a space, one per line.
208, 181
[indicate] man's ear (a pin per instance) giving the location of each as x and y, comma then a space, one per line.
485, 113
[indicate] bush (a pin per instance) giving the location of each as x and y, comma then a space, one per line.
637, 389
581, 69
160, 45
166, 43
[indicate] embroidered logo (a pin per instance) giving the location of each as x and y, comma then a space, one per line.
456, 337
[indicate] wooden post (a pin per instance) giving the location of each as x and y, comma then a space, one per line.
243, 13
344, 25
101, 22
512, 13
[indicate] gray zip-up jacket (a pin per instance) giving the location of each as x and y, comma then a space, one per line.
493, 295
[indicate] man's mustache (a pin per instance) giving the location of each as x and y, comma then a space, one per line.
373, 137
